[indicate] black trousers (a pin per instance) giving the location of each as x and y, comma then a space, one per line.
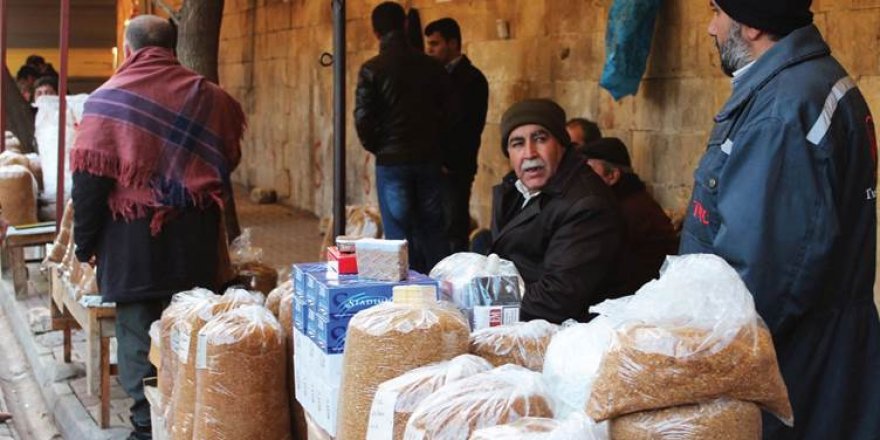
133, 322
456, 209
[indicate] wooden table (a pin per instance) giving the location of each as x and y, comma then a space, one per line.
99, 323
13, 251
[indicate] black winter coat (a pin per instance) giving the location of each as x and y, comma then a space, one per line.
472, 91
648, 239
134, 266
403, 104
564, 243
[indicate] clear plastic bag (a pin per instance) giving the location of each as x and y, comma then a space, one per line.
572, 362
390, 339
721, 419
397, 398
242, 249
247, 262
273, 300
690, 336
473, 281
575, 427
241, 369
64, 237
181, 305
520, 343
502, 395
186, 331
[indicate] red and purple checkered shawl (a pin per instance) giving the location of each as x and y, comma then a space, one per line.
169, 137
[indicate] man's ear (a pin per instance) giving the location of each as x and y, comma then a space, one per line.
751, 34
614, 176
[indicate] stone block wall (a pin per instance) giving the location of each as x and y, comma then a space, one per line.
270, 54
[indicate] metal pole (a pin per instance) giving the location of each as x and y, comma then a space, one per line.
3, 97
62, 109
339, 117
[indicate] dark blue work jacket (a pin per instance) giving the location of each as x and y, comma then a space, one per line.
786, 193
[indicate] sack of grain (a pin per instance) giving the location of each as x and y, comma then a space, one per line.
69, 257
65, 232
273, 300
10, 157
18, 195
397, 398
520, 343
390, 339
692, 335
502, 395
240, 367
88, 282
285, 317
36, 167
574, 427
256, 276
722, 419
184, 393
182, 304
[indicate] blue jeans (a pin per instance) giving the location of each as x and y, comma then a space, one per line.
411, 203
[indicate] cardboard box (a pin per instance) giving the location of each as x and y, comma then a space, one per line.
341, 263
300, 313
317, 379
349, 294
329, 332
298, 274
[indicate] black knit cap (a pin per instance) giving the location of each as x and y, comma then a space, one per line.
610, 150
543, 112
779, 17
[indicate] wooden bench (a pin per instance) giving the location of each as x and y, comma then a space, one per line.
98, 320
13, 251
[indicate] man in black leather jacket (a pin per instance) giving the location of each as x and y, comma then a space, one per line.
401, 110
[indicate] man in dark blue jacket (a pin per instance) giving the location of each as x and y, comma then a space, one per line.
786, 193
472, 103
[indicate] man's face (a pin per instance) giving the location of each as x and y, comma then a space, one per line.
44, 90
534, 155
733, 49
576, 133
439, 48
608, 176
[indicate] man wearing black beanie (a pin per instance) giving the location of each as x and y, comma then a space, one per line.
553, 217
786, 193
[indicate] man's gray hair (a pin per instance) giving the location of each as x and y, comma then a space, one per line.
735, 52
150, 30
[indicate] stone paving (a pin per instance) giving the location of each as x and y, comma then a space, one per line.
287, 236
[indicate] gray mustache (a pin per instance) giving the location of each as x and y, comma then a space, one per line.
532, 163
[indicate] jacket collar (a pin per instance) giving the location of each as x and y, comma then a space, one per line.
390, 40
464, 61
802, 44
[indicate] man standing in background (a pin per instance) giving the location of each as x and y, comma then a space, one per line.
401, 108
460, 154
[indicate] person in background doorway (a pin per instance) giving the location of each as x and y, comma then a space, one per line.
46, 86
461, 152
